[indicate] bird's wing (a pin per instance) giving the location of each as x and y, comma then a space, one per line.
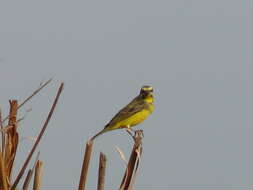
133, 107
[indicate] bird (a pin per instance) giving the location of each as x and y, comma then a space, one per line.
133, 113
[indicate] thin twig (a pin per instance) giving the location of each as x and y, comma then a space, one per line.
30, 97
20, 174
28, 138
101, 172
24, 116
35, 92
85, 166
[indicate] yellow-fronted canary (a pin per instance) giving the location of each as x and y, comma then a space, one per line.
133, 113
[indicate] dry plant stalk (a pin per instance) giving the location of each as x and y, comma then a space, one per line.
3, 178
101, 172
38, 175
10, 140
133, 163
11, 143
27, 179
20, 174
85, 166
30, 173
2, 132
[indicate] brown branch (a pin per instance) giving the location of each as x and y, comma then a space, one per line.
38, 175
31, 96
85, 166
101, 172
20, 174
133, 163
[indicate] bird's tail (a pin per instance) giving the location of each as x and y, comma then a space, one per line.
100, 133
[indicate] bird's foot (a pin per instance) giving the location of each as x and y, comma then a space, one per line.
129, 131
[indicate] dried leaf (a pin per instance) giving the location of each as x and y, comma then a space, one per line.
122, 155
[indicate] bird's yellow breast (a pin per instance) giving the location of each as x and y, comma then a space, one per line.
136, 118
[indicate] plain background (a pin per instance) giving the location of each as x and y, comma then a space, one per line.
197, 54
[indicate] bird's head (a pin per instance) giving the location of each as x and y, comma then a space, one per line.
146, 94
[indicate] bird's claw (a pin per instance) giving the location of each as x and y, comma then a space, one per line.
129, 131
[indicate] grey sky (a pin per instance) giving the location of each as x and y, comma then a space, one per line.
197, 54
